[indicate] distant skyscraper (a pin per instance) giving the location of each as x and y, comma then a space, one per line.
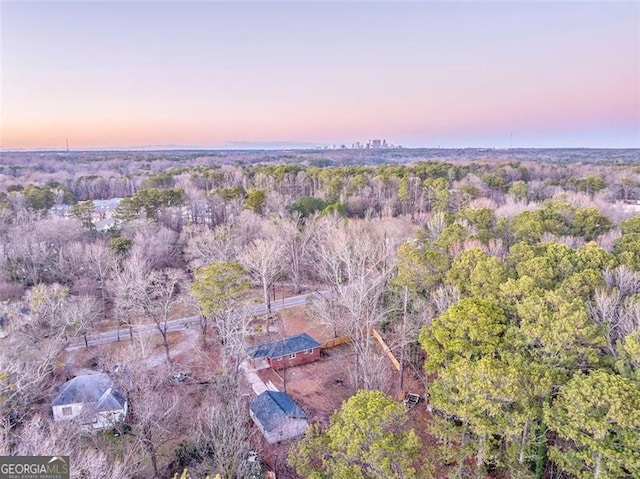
372, 144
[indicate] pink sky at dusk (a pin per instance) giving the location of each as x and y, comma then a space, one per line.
118, 75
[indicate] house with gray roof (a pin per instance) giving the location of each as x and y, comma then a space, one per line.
277, 416
93, 399
284, 353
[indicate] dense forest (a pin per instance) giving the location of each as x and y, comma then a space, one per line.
507, 283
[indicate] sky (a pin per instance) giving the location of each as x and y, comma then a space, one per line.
239, 74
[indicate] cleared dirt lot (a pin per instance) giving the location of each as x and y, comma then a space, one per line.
318, 387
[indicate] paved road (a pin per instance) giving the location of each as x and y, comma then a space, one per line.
183, 323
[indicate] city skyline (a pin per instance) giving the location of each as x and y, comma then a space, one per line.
229, 75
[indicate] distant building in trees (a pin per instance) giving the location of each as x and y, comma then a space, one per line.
104, 208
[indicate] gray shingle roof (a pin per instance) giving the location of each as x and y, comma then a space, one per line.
91, 388
272, 407
283, 347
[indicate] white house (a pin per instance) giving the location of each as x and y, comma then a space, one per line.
91, 398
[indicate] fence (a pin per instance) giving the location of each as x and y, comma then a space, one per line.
335, 342
386, 349
347, 339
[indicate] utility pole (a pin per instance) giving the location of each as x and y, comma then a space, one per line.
67, 142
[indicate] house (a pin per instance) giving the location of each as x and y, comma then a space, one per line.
104, 209
277, 416
91, 398
284, 353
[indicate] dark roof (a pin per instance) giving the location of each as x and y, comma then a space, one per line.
282, 347
272, 407
91, 388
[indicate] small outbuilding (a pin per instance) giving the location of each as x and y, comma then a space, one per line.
277, 416
284, 353
91, 398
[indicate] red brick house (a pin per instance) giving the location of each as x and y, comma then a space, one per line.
284, 353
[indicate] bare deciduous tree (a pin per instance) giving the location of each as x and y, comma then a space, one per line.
124, 283
41, 436
46, 304
157, 245
624, 279
357, 263
26, 367
435, 225
101, 263
223, 437
263, 261
71, 262
296, 240
81, 314
156, 296
615, 307
154, 411
31, 252
205, 246
443, 297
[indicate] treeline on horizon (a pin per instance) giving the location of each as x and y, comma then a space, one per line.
105, 175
